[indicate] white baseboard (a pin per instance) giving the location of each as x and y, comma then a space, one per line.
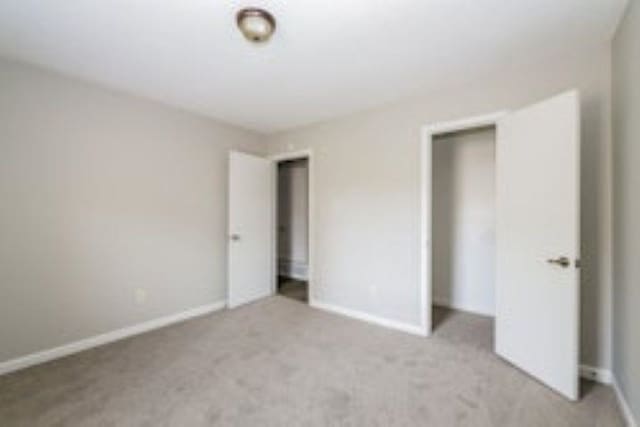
106, 338
293, 269
599, 375
294, 276
380, 321
445, 302
605, 376
624, 405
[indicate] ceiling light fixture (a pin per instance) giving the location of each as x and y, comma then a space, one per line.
257, 25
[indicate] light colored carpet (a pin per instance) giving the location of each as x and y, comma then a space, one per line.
281, 363
294, 289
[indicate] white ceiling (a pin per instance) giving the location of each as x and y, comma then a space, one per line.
327, 57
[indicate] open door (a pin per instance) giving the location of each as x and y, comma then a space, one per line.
250, 228
538, 241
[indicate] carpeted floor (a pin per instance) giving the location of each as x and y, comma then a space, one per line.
281, 363
294, 289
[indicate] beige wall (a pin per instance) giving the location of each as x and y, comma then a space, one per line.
626, 120
102, 194
464, 220
366, 179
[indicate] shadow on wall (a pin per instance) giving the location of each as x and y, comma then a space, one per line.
595, 272
292, 217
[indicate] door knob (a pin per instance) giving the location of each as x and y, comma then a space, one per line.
235, 237
563, 261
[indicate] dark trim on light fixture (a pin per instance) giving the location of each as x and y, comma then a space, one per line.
254, 12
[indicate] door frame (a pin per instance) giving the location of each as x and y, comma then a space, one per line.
276, 159
426, 208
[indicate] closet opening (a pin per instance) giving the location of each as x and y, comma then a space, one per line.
464, 234
292, 229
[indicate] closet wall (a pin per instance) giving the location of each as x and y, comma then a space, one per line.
464, 220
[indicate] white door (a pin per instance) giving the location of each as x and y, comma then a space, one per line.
250, 228
538, 241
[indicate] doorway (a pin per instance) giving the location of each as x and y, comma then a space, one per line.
464, 230
292, 229
537, 236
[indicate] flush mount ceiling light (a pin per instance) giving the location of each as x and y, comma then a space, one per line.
257, 25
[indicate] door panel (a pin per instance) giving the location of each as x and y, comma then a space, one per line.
250, 228
538, 211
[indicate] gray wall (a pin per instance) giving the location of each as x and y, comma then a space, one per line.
464, 220
293, 215
103, 194
626, 127
367, 200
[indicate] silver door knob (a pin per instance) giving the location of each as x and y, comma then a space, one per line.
235, 237
562, 261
